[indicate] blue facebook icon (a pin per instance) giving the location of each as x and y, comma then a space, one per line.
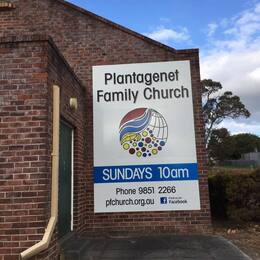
163, 200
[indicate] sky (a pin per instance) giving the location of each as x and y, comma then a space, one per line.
227, 32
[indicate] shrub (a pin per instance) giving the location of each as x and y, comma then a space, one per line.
235, 197
218, 196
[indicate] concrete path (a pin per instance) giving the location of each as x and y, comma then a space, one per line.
176, 247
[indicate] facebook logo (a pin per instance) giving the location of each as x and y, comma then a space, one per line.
163, 200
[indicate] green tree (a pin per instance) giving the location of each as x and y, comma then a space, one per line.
221, 145
245, 143
218, 106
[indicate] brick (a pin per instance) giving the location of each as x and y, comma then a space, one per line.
32, 64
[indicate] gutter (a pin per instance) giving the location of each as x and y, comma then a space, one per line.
44, 243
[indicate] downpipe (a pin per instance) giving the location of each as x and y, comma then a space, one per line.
44, 243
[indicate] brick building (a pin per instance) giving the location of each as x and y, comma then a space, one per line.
52, 42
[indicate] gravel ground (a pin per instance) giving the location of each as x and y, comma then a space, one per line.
246, 237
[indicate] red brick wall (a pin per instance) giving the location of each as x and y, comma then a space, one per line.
28, 71
85, 41
70, 86
25, 160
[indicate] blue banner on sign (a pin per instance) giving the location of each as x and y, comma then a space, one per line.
145, 173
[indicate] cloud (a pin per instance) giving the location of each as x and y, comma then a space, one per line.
233, 58
212, 27
255, 74
241, 127
163, 34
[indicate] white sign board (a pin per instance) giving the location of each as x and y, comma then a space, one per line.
144, 140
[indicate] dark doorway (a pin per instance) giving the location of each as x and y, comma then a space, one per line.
65, 179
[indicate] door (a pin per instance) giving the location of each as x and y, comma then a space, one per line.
65, 179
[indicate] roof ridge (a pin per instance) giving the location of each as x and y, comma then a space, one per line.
116, 25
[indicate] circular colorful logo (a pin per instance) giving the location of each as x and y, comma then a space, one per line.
143, 132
